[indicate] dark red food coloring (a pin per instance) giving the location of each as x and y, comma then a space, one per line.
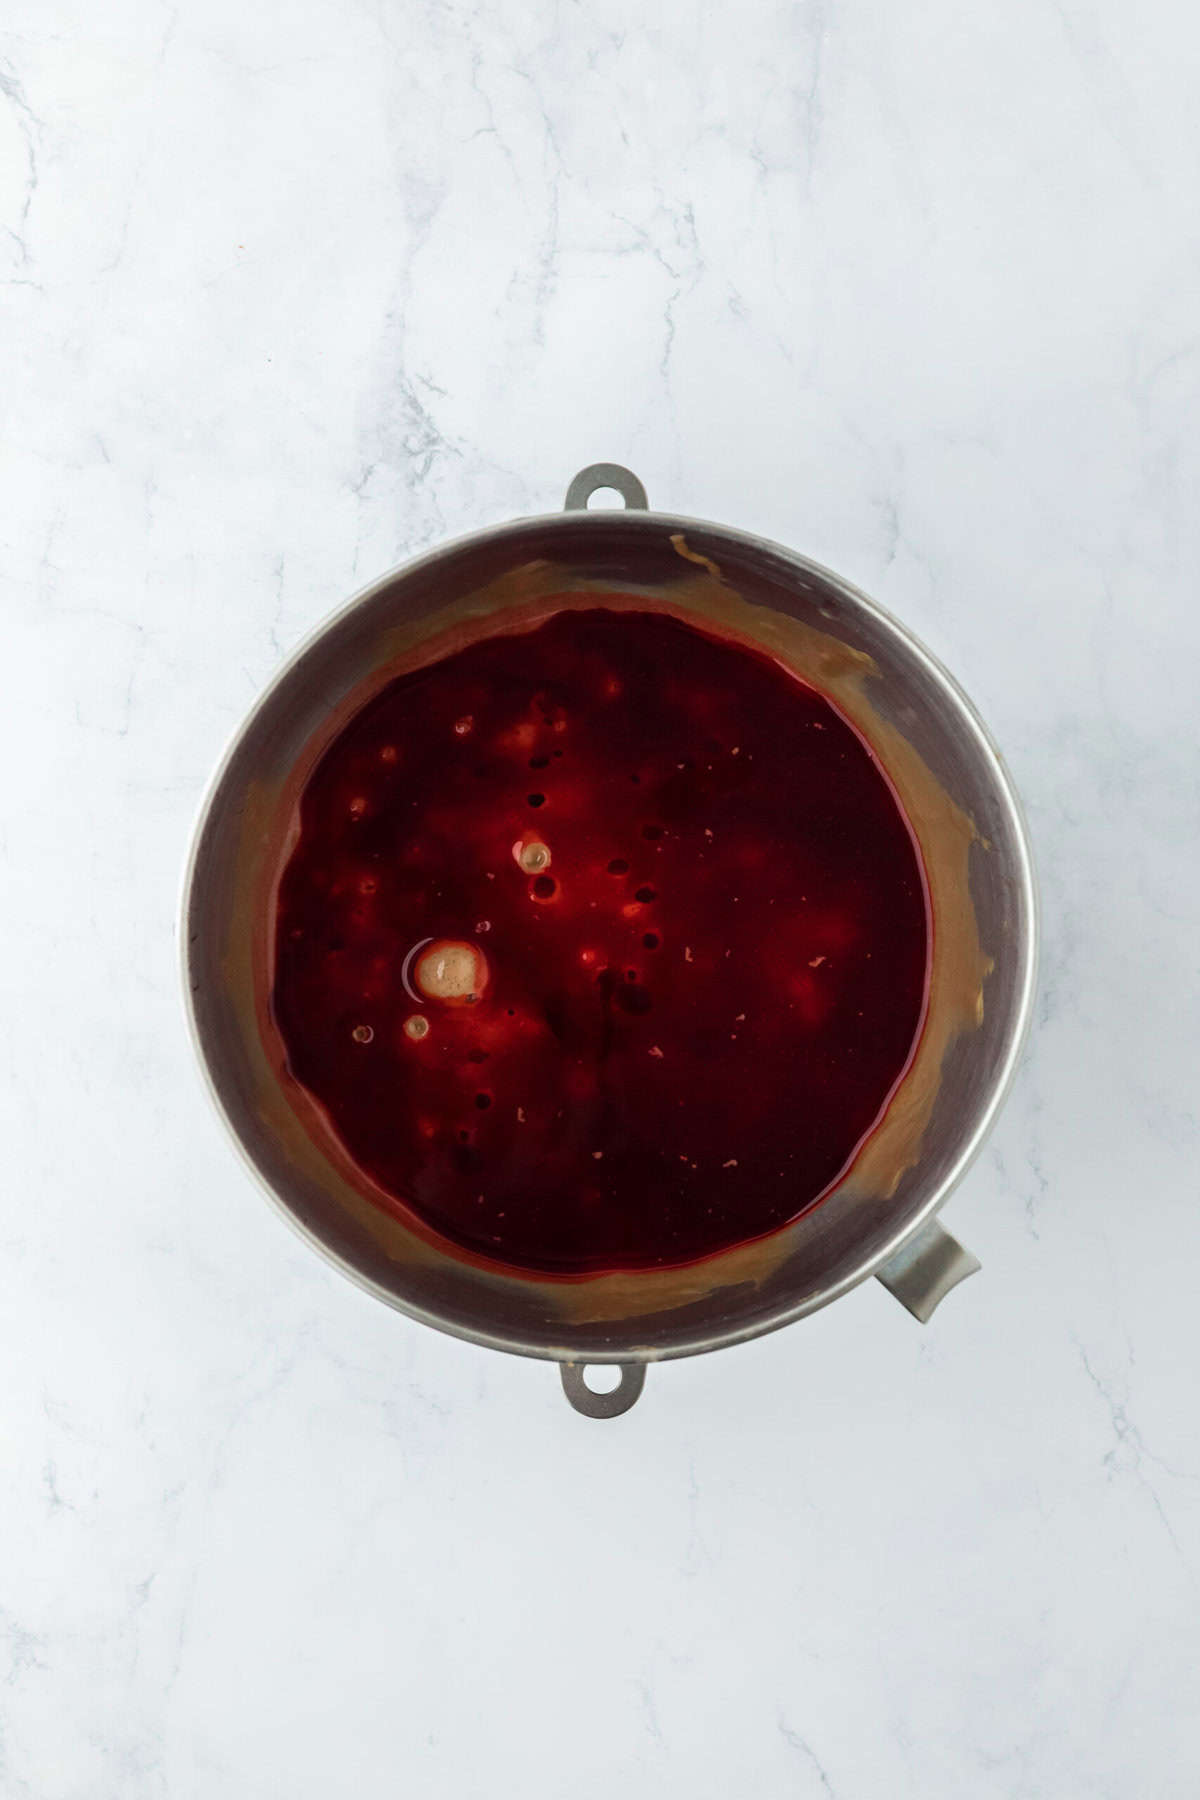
635, 1116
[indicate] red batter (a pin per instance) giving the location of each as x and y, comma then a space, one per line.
603, 946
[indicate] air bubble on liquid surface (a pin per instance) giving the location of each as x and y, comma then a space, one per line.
531, 855
445, 969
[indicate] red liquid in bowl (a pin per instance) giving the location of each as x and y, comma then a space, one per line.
673, 1035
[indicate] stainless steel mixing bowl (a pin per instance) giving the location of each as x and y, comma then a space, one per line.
875, 1223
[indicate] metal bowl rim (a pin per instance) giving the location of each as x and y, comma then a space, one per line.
690, 1344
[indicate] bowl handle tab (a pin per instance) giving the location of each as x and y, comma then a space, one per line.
923, 1272
605, 475
602, 1406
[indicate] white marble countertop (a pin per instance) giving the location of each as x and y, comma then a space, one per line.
292, 292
